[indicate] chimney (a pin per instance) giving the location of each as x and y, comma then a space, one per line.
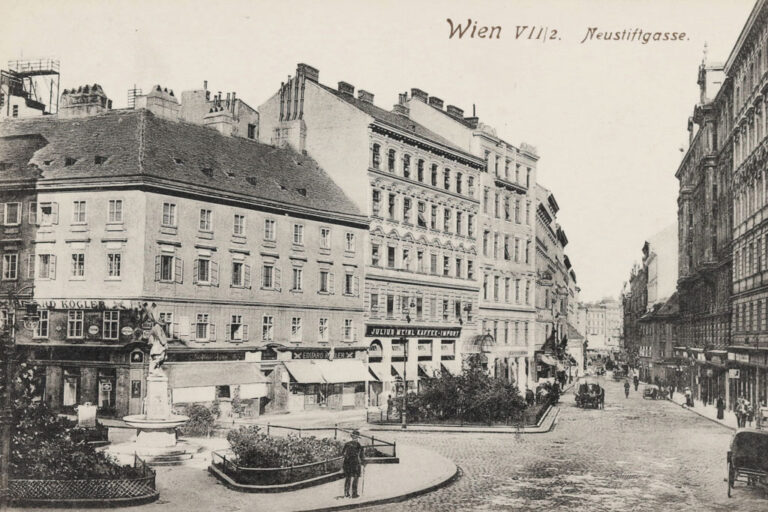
420, 95
160, 102
346, 88
455, 111
85, 101
472, 122
365, 96
233, 102
402, 110
227, 101
205, 85
308, 72
436, 102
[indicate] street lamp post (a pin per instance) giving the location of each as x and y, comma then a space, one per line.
6, 416
404, 340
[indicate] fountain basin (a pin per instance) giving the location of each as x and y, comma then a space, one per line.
140, 421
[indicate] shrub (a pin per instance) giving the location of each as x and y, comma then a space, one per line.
255, 449
48, 447
201, 421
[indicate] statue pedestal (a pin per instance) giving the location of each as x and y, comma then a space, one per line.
157, 428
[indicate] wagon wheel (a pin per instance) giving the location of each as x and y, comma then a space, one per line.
731, 477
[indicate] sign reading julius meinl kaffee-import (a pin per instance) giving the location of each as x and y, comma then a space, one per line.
394, 331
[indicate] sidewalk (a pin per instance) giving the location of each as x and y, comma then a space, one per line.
191, 487
707, 411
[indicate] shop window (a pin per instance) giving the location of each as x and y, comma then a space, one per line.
223, 392
71, 387
107, 383
375, 351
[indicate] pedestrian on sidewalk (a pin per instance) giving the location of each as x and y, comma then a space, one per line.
749, 413
636, 381
739, 412
720, 407
671, 392
688, 398
626, 388
352, 465
389, 406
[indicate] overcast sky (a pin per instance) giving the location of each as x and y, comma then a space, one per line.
608, 118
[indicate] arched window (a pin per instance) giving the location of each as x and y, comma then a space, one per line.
375, 351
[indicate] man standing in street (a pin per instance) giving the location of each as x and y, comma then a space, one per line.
720, 407
626, 388
352, 465
636, 381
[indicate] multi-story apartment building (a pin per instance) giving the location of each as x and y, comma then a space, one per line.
634, 300
602, 325
507, 269
745, 134
250, 256
658, 335
421, 194
552, 283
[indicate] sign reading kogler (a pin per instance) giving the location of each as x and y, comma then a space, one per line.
393, 331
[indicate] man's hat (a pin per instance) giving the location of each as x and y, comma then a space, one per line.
355, 433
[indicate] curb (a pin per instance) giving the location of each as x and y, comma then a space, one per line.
480, 429
713, 420
394, 499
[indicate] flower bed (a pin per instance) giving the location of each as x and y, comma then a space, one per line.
260, 462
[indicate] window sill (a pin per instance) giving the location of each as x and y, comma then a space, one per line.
325, 251
349, 254
239, 287
269, 243
113, 278
297, 291
205, 235
169, 230
239, 239
269, 289
78, 228
79, 278
115, 227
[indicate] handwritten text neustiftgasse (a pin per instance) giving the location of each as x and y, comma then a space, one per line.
471, 29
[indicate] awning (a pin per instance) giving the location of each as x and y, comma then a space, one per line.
305, 372
396, 373
548, 359
449, 370
194, 375
344, 370
426, 371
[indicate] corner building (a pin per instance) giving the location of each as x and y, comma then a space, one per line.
252, 256
420, 193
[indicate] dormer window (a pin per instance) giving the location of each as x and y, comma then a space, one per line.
69, 161
207, 171
98, 160
178, 161
252, 181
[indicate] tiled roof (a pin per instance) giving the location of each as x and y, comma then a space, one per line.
138, 144
397, 120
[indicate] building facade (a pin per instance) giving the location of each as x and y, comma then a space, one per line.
421, 258
602, 325
251, 258
507, 185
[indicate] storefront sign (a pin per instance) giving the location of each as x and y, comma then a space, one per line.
87, 304
126, 331
733, 373
310, 354
344, 354
106, 386
135, 389
709, 372
93, 330
391, 331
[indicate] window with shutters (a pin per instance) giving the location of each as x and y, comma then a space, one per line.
267, 328
470, 269
420, 262
238, 225
270, 230
237, 330
496, 280
78, 212
75, 323
391, 257
447, 179
446, 309
326, 282
459, 225
391, 160
458, 267
349, 242
447, 220
350, 284
298, 280
507, 213
517, 211
241, 275
10, 266
12, 214
270, 277
322, 329
434, 175
49, 214
406, 166
41, 327
406, 259
298, 234
47, 266
446, 265
296, 329
204, 330
507, 255
204, 272
114, 265
32, 213
169, 215
111, 325
348, 330
77, 270
206, 220
420, 171
391, 205
433, 217
115, 211
170, 328
376, 156
433, 263
325, 238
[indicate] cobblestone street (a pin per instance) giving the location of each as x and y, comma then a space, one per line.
635, 454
